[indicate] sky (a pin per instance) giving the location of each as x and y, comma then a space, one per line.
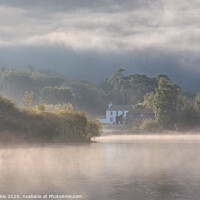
90, 39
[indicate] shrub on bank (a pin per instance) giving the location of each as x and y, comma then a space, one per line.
150, 125
74, 125
93, 128
40, 126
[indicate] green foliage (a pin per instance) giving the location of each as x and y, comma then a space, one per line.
8, 107
163, 76
15, 82
197, 103
121, 84
165, 103
41, 106
116, 79
31, 125
55, 92
74, 124
139, 106
55, 89
27, 100
67, 106
57, 107
106, 86
89, 97
148, 100
131, 89
56, 95
150, 125
94, 128
186, 116
142, 84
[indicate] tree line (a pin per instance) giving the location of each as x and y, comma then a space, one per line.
172, 107
51, 88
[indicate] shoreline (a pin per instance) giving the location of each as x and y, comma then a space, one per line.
120, 130
147, 138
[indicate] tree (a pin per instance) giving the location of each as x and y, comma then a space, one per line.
116, 79
186, 115
163, 76
15, 82
197, 103
165, 103
142, 84
148, 100
27, 100
124, 88
67, 106
88, 97
56, 95
41, 106
121, 84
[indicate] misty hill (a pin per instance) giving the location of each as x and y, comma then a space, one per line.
52, 88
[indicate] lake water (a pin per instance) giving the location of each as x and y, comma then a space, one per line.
114, 168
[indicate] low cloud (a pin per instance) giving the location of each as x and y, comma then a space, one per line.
144, 36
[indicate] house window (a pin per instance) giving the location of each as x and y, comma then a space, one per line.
111, 119
116, 112
122, 112
111, 113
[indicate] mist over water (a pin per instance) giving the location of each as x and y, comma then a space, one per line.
114, 167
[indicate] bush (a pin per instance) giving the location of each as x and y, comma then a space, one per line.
136, 124
8, 107
36, 125
74, 124
150, 125
93, 128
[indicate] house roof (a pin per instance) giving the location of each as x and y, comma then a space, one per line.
120, 107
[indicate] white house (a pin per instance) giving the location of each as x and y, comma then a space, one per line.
116, 112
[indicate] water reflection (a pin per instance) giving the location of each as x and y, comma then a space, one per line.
140, 169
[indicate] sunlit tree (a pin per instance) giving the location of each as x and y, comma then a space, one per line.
27, 100
197, 103
165, 103
41, 106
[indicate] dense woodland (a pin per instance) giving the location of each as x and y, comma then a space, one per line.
173, 108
